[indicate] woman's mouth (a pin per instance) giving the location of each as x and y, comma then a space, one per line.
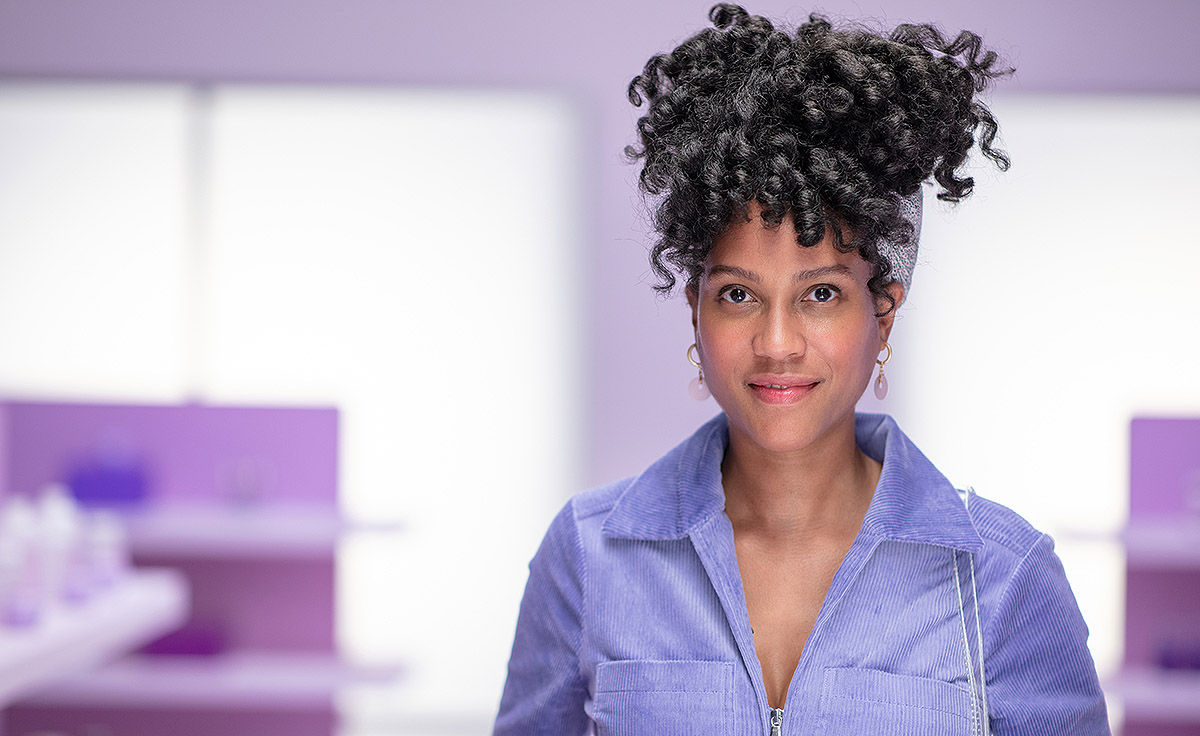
782, 392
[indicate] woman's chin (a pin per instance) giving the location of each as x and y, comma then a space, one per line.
786, 433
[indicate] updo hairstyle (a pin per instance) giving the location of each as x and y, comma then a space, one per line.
832, 127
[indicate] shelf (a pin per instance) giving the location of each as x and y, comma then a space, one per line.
1157, 695
140, 607
1163, 543
1151, 543
262, 531
238, 680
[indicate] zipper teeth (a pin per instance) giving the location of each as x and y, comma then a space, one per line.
777, 722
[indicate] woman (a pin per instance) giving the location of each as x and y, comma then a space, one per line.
793, 568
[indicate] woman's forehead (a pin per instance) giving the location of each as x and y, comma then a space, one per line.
754, 248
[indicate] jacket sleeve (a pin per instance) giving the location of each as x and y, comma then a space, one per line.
545, 691
1041, 680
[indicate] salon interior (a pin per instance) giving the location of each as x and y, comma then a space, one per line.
314, 314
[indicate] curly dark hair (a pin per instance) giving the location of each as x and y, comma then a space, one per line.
833, 126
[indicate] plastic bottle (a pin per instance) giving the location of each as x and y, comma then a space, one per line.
21, 580
61, 549
106, 548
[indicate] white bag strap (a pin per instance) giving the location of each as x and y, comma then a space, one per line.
972, 631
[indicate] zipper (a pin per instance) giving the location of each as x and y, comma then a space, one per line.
777, 722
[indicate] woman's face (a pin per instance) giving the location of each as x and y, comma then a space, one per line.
787, 335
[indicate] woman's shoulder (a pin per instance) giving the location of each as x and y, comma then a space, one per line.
1017, 566
597, 500
1001, 528
580, 514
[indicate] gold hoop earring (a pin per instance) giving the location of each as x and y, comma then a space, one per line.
881, 383
696, 387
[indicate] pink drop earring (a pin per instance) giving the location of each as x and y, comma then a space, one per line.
696, 387
881, 384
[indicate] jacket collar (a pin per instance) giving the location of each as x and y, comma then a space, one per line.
913, 502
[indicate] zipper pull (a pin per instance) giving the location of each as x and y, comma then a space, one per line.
777, 722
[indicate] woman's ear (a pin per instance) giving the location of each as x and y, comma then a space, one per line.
896, 291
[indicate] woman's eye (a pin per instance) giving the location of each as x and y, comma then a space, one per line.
735, 294
823, 294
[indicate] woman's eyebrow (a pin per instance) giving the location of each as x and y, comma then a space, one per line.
817, 273
813, 273
737, 271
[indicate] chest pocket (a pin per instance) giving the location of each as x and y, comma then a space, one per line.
862, 701
664, 698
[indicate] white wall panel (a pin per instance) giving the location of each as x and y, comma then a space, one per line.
93, 241
409, 257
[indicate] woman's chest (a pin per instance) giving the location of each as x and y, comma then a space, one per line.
785, 586
668, 646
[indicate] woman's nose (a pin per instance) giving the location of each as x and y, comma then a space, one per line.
780, 335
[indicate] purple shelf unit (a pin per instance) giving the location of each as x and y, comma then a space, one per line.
1162, 601
191, 453
216, 456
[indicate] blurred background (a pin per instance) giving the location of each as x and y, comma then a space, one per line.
338, 303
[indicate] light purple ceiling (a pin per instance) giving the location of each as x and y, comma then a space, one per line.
1103, 46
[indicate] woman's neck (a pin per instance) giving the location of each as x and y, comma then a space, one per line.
826, 488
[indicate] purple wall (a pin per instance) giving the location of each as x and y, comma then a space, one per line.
1164, 470
636, 389
4, 461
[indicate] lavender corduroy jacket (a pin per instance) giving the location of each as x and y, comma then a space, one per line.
634, 618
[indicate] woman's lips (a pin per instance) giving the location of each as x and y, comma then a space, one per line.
782, 391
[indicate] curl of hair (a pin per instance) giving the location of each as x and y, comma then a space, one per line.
827, 126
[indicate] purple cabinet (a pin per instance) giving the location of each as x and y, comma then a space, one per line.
1160, 678
243, 501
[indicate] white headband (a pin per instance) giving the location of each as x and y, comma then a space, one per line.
903, 256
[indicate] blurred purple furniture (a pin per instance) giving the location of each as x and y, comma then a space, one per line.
1160, 680
242, 500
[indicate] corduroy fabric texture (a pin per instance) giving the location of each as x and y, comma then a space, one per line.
634, 618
